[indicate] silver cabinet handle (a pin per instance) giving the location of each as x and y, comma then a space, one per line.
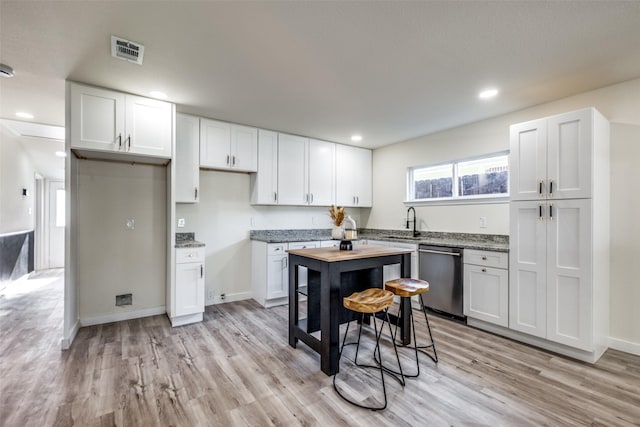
429, 251
311, 201
233, 160
550, 188
227, 159
550, 212
201, 271
129, 142
540, 188
540, 212
275, 197
484, 258
196, 193
484, 270
119, 141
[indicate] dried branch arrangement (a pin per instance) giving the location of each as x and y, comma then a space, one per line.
337, 215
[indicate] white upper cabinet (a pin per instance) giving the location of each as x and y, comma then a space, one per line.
305, 171
264, 185
148, 126
228, 146
321, 158
107, 121
187, 158
551, 157
292, 170
353, 176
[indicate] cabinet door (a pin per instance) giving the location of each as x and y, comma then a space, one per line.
189, 288
362, 177
278, 277
148, 125
569, 155
215, 144
569, 287
345, 175
321, 173
264, 184
528, 160
187, 158
244, 148
527, 268
97, 118
486, 294
292, 170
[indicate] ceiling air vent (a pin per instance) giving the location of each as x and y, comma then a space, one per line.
127, 50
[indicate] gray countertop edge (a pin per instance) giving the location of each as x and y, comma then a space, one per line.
189, 244
273, 236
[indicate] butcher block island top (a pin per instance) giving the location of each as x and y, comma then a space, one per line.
358, 252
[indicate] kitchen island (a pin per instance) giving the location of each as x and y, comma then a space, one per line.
333, 274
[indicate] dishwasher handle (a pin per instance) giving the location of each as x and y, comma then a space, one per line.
429, 251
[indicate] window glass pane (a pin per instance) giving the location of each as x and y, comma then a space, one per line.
433, 182
483, 176
59, 208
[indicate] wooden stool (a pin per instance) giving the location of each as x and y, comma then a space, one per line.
407, 288
367, 302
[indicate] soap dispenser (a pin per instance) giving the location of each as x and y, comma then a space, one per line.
350, 233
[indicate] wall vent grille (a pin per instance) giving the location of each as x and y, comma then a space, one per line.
127, 50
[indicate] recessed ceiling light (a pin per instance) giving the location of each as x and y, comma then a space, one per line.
61, 154
356, 138
158, 94
488, 93
24, 115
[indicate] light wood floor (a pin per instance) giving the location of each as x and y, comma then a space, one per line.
236, 368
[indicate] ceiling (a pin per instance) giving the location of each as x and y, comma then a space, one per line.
389, 71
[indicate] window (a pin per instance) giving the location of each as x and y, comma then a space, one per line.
483, 177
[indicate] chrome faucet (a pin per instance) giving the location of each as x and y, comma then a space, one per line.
415, 233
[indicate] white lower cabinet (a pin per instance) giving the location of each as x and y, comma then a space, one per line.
270, 271
486, 286
188, 295
390, 272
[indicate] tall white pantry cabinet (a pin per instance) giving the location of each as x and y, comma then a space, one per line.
559, 231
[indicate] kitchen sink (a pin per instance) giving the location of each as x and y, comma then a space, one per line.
403, 237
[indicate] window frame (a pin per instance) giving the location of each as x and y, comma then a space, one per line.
455, 199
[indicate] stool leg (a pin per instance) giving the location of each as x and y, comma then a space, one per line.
433, 343
378, 335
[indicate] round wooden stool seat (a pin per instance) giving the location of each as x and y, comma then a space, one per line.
407, 287
372, 300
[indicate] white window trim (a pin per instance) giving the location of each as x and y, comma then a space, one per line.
455, 200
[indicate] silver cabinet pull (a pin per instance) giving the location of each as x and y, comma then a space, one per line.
196, 193
275, 197
540, 211
540, 188
129, 142
550, 212
550, 188
484, 258
233, 160
311, 201
201, 271
484, 270
119, 141
227, 159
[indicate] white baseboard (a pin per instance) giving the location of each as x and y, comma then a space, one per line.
66, 342
240, 296
125, 315
626, 346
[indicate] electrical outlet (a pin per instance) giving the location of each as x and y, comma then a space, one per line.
181, 222
483, 222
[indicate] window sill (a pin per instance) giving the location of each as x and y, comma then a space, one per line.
452, 202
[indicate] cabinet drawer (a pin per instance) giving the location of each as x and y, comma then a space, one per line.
276, 248
486, 258
303, 245
184, 255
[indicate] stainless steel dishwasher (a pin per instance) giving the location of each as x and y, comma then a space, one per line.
442, 267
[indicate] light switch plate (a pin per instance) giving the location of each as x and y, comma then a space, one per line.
181, 222
483, 222
131, 223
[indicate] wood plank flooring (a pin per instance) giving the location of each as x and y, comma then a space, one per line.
236, 368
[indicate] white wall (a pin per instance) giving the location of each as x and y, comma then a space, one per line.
620, 104
112, 259
17, 213
223, 219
